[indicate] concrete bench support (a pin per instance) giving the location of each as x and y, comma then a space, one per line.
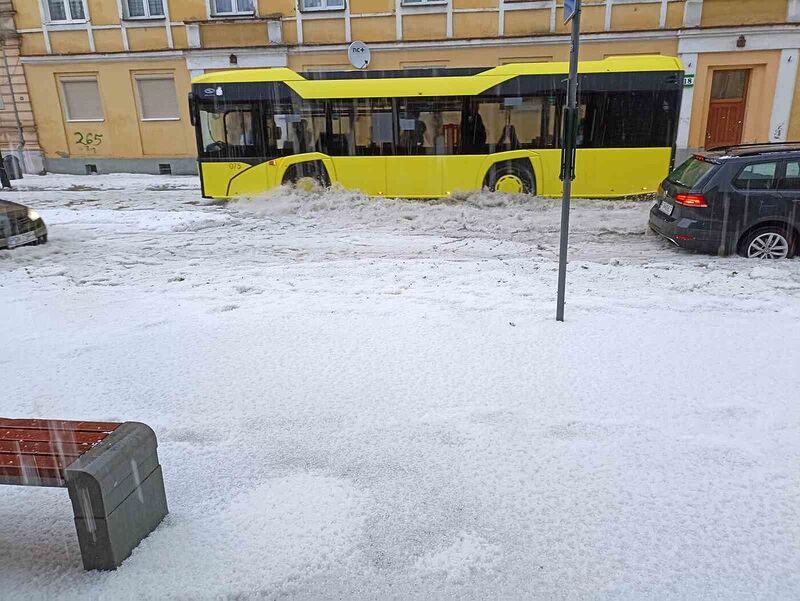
117, 494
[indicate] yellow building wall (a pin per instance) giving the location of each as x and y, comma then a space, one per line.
424, 27
525, 58
188, 10
760, 95
323, 31
147, 38
224, 35
69, 42
122, 133
179, 38
272, 7
373, 29
475, 25
289, 32
593, 18
630, 17
108, 40
27, 14
33, 44
371, 6
103, 12
475, 3
675, 12
527, 22
485, 56
742, 12
793, 133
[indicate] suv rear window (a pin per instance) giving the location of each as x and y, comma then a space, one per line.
691, 172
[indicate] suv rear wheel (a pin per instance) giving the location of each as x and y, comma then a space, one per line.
770, 242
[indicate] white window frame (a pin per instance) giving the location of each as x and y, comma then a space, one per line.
79, 78
45, 5
139, 76
126, 9
212, 10
324, 7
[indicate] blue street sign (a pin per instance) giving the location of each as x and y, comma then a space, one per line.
570, 6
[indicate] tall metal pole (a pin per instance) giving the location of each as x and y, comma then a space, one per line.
568, 156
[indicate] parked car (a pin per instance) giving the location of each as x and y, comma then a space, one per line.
20, 225
743, 199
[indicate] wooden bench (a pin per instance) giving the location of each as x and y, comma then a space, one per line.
111, 471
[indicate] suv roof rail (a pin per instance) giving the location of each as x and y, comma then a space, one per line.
741, 150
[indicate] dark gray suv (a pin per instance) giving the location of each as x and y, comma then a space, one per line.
743, 199
20, 225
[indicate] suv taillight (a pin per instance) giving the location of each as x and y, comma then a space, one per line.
691, 200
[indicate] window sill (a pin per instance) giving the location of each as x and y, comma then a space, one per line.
161, 18
323, 9
160, 119
85, 120
234, 15
67, 24
421, 4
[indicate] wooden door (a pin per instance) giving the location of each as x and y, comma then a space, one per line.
727, 106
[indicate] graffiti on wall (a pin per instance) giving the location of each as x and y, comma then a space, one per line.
88, 140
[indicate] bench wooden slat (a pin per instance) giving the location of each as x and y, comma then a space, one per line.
56, 424
51, 436
33, 466
66, 449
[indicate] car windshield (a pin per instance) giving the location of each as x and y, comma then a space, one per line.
691, 172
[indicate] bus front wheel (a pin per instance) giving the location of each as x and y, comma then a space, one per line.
307, 176
513, 177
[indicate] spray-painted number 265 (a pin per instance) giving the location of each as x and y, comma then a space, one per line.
89, 140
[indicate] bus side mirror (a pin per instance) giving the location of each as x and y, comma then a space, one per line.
277, 132
192, 110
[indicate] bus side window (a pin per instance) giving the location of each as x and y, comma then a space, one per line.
373, 127
436, 126
516, 122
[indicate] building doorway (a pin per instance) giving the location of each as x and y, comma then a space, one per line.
726, 108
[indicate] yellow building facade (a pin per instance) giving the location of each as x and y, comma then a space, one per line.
107, 80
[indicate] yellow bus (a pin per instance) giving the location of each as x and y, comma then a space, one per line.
432, 133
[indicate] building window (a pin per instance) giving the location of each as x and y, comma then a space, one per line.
144, 9
226, 8
310, 5
157, 98
81, 98
66, 10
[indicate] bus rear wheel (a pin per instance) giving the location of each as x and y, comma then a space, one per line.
511, 178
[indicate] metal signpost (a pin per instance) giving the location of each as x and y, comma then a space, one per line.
572, 10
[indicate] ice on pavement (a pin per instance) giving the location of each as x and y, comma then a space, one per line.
369, 398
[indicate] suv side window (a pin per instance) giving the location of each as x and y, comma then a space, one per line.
791, 181
758, 176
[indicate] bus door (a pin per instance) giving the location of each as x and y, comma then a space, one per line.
231, 144
427, 133
359, 138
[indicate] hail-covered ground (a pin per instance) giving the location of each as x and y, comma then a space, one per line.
371, 399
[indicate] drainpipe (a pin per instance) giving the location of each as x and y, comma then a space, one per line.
20, 132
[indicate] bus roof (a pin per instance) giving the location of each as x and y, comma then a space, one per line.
466, 85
